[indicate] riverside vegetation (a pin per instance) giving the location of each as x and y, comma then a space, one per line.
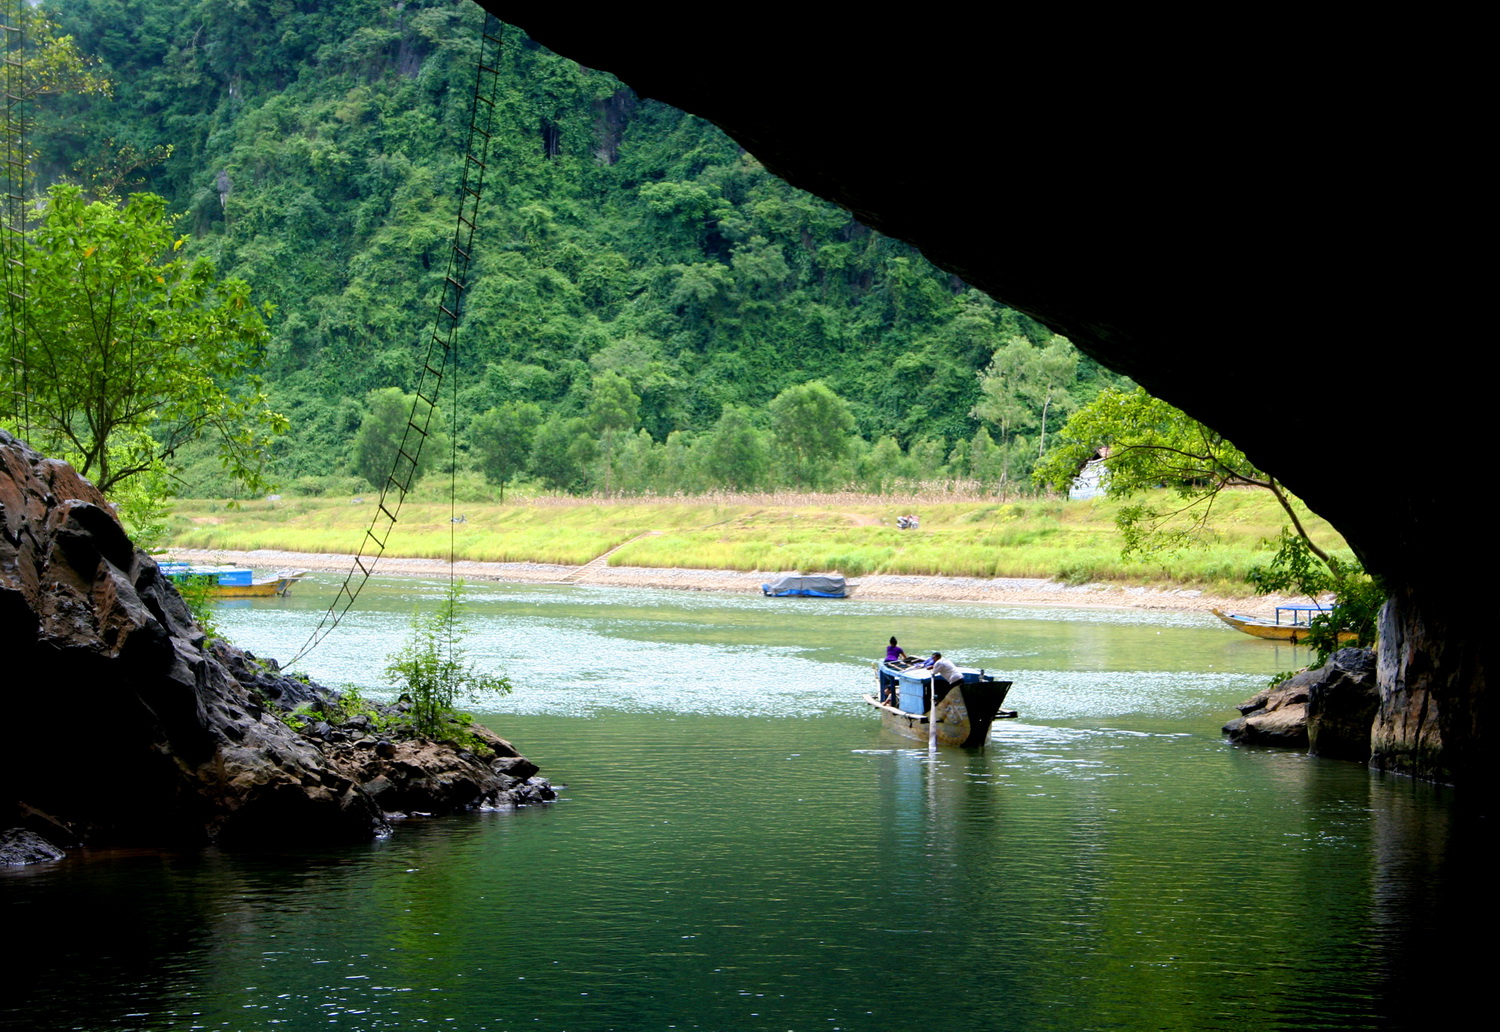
960, 535
651, 313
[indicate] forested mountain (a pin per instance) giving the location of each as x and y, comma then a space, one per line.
638, 278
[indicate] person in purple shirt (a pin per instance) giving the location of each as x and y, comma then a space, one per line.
896, 658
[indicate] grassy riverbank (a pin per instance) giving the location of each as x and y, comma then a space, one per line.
1069, 541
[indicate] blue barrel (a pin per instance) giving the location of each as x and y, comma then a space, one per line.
913, 694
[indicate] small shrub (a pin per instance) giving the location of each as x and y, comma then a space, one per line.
299, 718
434, 670
197, 592
1075, 574
1285, 675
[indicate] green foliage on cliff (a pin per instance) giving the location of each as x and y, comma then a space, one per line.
626, 251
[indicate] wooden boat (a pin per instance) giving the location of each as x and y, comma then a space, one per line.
963, 714
1291, 623
233, 581
818, 585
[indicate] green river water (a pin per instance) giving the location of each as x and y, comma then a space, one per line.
740, 846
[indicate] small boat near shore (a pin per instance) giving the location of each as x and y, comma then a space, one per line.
1290, 624
962, 716
226, 581
817, 585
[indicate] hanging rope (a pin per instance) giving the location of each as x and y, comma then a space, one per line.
441, 350
13, 231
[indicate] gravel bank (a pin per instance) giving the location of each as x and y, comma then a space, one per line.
1000, 591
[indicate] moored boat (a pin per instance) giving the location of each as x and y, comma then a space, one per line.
1290, 624
963, 713
233, 581
818, 585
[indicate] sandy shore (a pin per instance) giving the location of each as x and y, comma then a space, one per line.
885, 587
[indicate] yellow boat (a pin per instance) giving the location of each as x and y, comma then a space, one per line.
260, 587
233, 581
1293, 630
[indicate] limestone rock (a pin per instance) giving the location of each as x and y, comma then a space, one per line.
126, 726
1433, 711
1341, 706
1146, 317
1327, 710
1275, 716
19, 846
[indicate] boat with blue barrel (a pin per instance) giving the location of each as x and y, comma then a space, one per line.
963, 713
225, 581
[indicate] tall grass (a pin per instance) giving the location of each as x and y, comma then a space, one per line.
849, 532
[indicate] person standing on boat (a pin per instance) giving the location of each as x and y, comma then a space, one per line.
944, 676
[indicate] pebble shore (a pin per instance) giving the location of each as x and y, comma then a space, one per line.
1028, 591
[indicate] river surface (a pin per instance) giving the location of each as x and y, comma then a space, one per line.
740, 846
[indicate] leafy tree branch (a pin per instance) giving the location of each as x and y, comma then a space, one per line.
132, 350
1145, 444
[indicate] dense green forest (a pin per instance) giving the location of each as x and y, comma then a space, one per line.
648, 309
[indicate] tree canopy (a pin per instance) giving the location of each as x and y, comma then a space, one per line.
636, 270
1145, 443
132, 350
812, 426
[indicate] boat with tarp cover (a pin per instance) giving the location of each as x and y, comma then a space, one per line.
963, 713
816, 585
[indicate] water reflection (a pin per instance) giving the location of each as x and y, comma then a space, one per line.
741, 847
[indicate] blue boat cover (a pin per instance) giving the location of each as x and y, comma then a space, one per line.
818, 585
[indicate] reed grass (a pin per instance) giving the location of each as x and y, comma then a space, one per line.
961, 535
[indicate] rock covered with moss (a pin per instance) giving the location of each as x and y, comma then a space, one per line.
126, 725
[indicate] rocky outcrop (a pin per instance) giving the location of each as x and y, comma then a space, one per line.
418, 777
125, 725
1341, 706
18, 846
1434, 705
1275, 716
1326, 710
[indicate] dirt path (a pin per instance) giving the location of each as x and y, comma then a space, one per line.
884, 587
